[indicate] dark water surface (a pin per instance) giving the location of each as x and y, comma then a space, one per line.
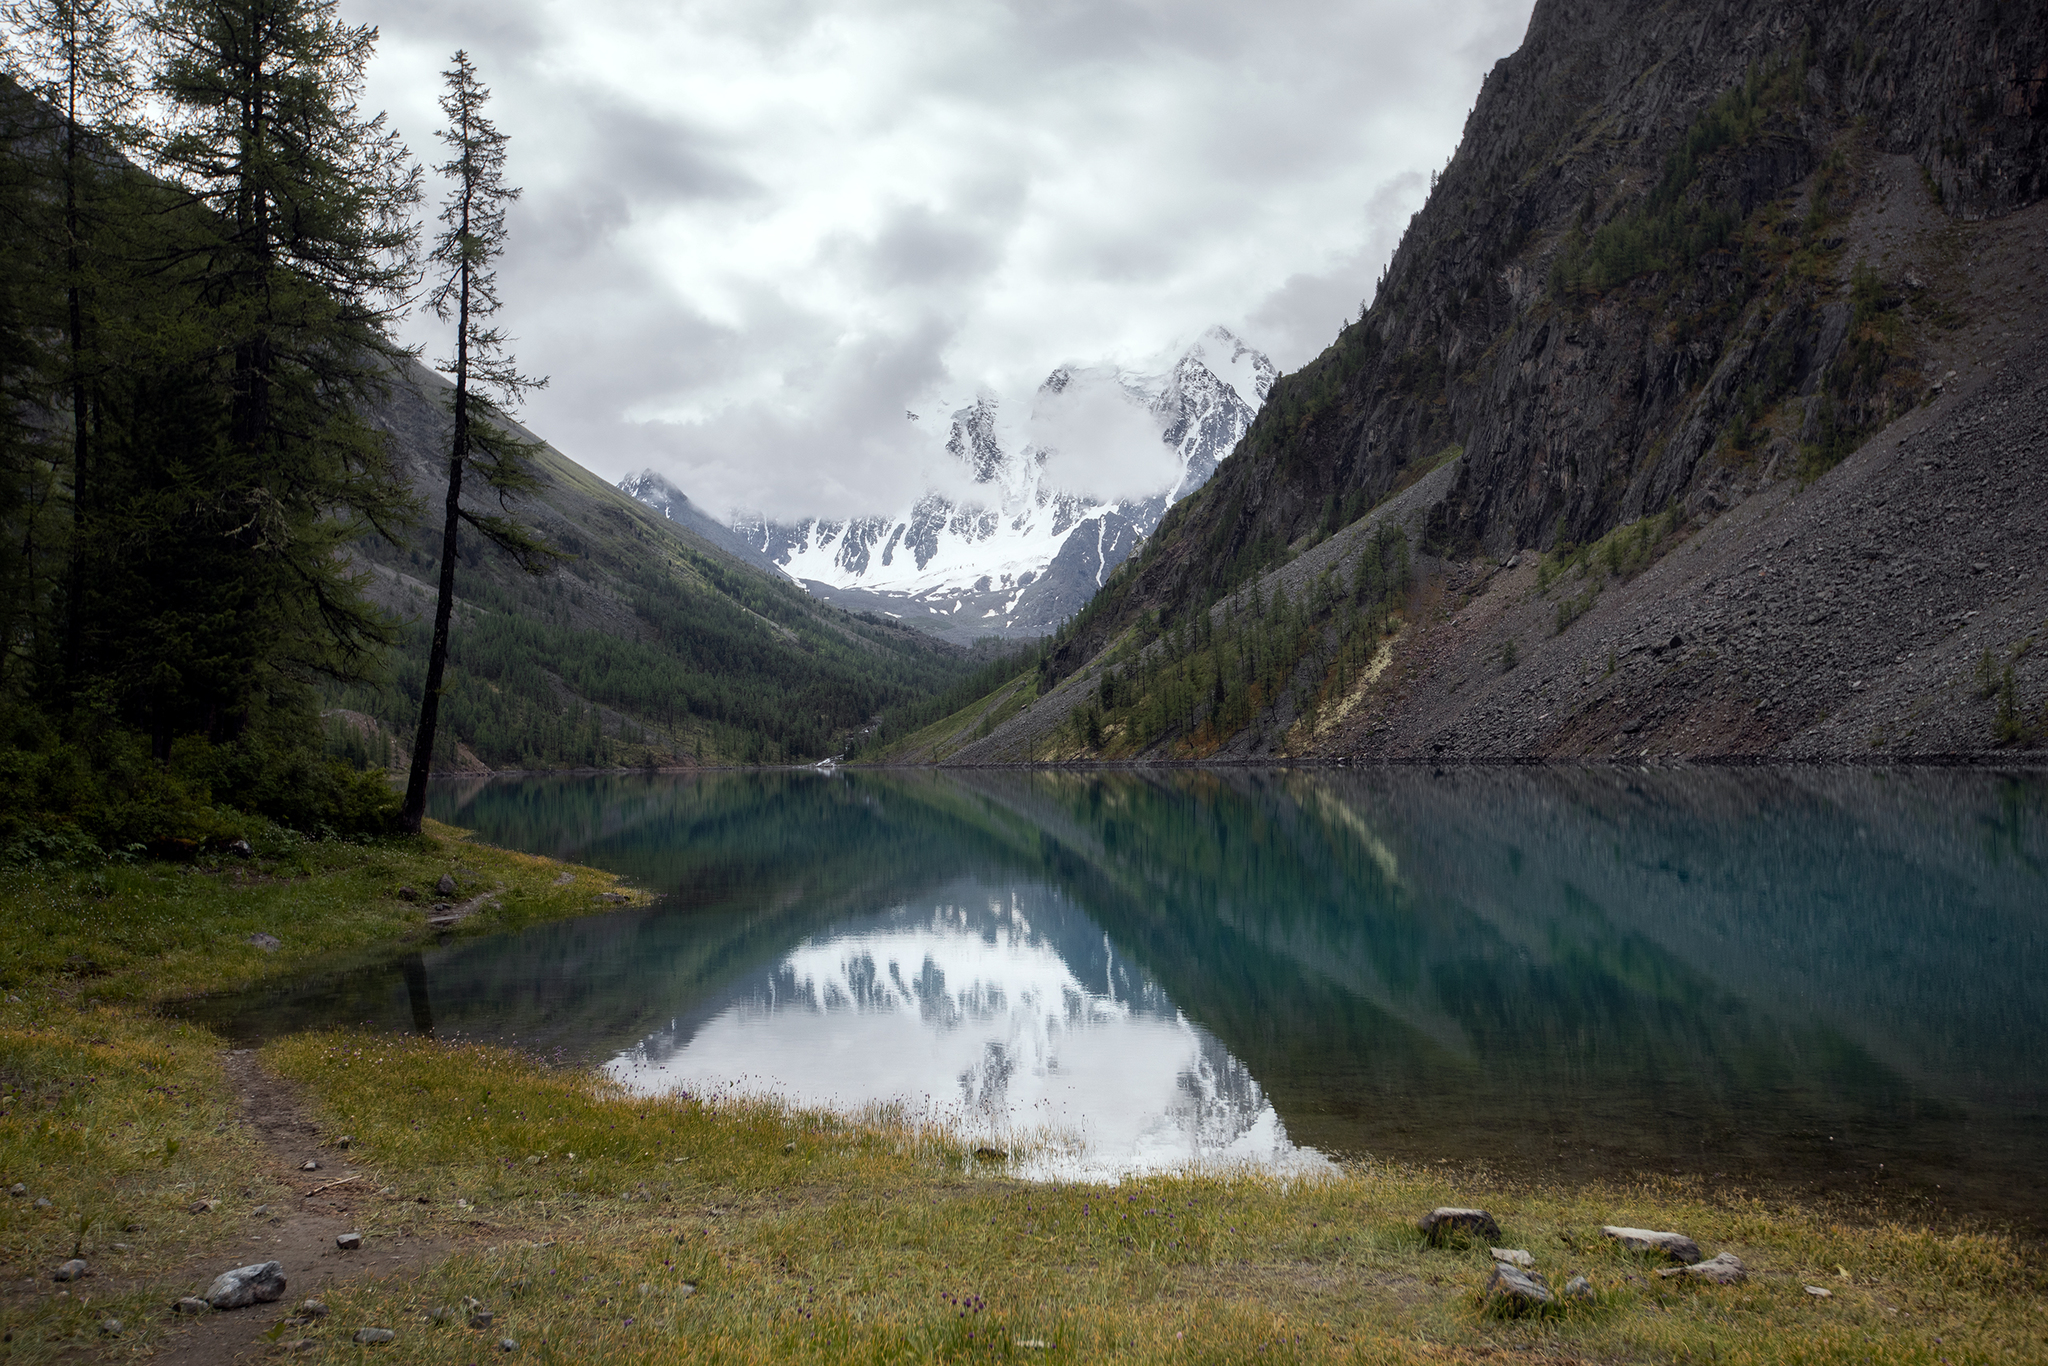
1818, 980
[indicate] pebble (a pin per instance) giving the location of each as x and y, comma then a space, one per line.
508, 1345
375, 1335
480, 1317
344, 1141
112, 1327
269, 943
688, 1289
313, 1309
257, 1283
73, 1270
42, 1202
19, 1188
1446, 1220
190, 1304
259, 1211
1676, 1246
201, 1207
348, 1242
1819, 1292
1726, 1269
1580, 1289
1515, 1291
120, 1247
440, 1315
310, 1165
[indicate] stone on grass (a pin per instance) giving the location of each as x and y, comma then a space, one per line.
1515, 1291
73, 1270
311, 1164
344, 1141
1513, 1256
1676, 1246
18, 1189
1819, 1292
190, 1304
507, 1345
375, 1335
1441, 1223
1726, 1269
269, 943
348, 1242
687, 1289
1580, 1289
112, 1327
42, 1202
480, 1317
257, 1283
446, 886
201, 1207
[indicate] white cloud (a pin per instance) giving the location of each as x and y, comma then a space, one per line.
755, 232
1099, 440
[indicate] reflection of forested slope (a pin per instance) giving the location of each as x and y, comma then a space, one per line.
748, 865
1799, 974
1578, 967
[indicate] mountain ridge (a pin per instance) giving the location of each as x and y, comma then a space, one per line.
1018, 554
1695, 273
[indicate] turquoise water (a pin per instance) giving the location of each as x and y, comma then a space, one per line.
1825, 981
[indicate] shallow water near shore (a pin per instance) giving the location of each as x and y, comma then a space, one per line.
1821, 982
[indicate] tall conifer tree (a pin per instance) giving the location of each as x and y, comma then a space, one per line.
75, 60
304, 256
466, 290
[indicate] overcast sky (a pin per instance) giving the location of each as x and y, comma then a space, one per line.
755, 232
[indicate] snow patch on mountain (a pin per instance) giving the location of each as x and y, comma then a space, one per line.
1056, 493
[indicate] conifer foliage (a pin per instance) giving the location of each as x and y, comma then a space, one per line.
466, 289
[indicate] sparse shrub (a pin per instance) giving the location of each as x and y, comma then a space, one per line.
1987, 674
1510, 655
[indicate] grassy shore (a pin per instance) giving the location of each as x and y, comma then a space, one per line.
603, 1227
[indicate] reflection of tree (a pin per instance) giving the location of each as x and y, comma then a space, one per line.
1567, 968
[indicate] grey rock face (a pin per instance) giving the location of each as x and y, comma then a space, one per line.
1515, 1291
257, 1283
1676, 1246
1726, 1269
1447, 1221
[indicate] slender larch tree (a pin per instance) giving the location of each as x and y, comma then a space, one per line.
487, 380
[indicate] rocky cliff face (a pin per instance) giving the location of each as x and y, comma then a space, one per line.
1707, 387
1632, 288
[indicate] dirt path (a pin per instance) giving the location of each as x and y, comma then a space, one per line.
297, 1229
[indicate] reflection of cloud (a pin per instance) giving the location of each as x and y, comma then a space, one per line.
976, 1016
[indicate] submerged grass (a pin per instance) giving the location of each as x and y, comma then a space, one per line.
601, 1226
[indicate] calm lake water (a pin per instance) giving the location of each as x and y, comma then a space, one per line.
1822, 981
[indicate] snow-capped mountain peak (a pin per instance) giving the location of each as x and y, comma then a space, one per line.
1060, 490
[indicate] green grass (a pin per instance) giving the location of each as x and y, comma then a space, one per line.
600, 1226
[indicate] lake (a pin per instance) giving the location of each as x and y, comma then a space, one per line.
1824, 981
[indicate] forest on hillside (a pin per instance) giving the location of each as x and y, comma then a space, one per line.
206, 245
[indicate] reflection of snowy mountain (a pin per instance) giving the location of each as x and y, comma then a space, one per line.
1007, 1012
1039, 532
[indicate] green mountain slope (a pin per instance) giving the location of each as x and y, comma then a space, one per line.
650, 646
